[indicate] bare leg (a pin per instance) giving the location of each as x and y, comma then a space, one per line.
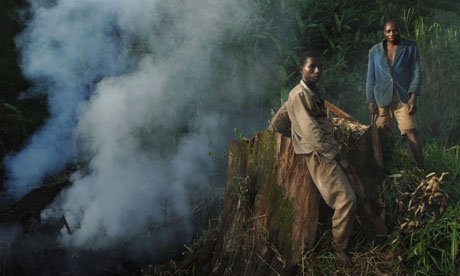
415, 145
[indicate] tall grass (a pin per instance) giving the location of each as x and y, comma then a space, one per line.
434, 250
439, 103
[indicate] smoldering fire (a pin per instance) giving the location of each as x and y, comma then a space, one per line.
131, 90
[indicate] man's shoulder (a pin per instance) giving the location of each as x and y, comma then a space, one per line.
375, 48
408, 42
299, 90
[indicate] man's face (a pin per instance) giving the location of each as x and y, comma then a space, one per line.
312, 69
391, 32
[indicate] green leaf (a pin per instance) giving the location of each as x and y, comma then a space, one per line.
240, 135
11, 107
295, 57
331, 43
337, 21
322, 28
275, 41
300, 21
357, 36
284, 93
454, 242
282, 74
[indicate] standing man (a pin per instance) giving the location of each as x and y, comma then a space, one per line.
311, 133
393, 84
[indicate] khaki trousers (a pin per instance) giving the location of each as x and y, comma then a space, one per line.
335, 188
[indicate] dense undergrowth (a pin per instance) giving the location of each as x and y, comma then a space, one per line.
424, 232
420, 242
425, 228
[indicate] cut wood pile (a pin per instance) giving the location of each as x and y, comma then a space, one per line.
426, 204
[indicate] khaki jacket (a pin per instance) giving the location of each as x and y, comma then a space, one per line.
305, 114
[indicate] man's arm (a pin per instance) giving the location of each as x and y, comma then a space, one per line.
370, 85
280, 122
416, 79
414, 87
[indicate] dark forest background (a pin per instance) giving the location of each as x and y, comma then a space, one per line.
342, 30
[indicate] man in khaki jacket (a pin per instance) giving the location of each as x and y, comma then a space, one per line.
311, 132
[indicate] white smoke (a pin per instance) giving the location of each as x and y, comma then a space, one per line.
66, 48
127, 81
130, 185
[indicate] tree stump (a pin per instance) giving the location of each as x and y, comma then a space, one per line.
271, 204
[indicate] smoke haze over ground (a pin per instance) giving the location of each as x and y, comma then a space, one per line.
137, 93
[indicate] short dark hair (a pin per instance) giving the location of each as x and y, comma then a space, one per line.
392, 21
307, 54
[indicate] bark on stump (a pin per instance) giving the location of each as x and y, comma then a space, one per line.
271, 204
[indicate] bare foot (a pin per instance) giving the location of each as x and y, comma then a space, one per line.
342, 258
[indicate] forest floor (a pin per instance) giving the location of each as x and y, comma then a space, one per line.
420, 209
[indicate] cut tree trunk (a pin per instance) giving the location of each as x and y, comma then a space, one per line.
271, 204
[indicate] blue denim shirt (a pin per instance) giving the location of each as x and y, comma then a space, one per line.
401, 77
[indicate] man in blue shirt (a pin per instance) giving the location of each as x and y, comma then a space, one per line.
393, 84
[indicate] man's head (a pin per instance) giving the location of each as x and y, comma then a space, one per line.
311, 66
392, 31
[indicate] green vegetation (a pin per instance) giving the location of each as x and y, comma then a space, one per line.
277, 32
344, 36
431, 248
344, 31
438, 106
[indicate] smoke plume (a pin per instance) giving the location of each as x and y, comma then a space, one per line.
139, 94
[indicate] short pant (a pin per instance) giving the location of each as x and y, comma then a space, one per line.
398, 110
